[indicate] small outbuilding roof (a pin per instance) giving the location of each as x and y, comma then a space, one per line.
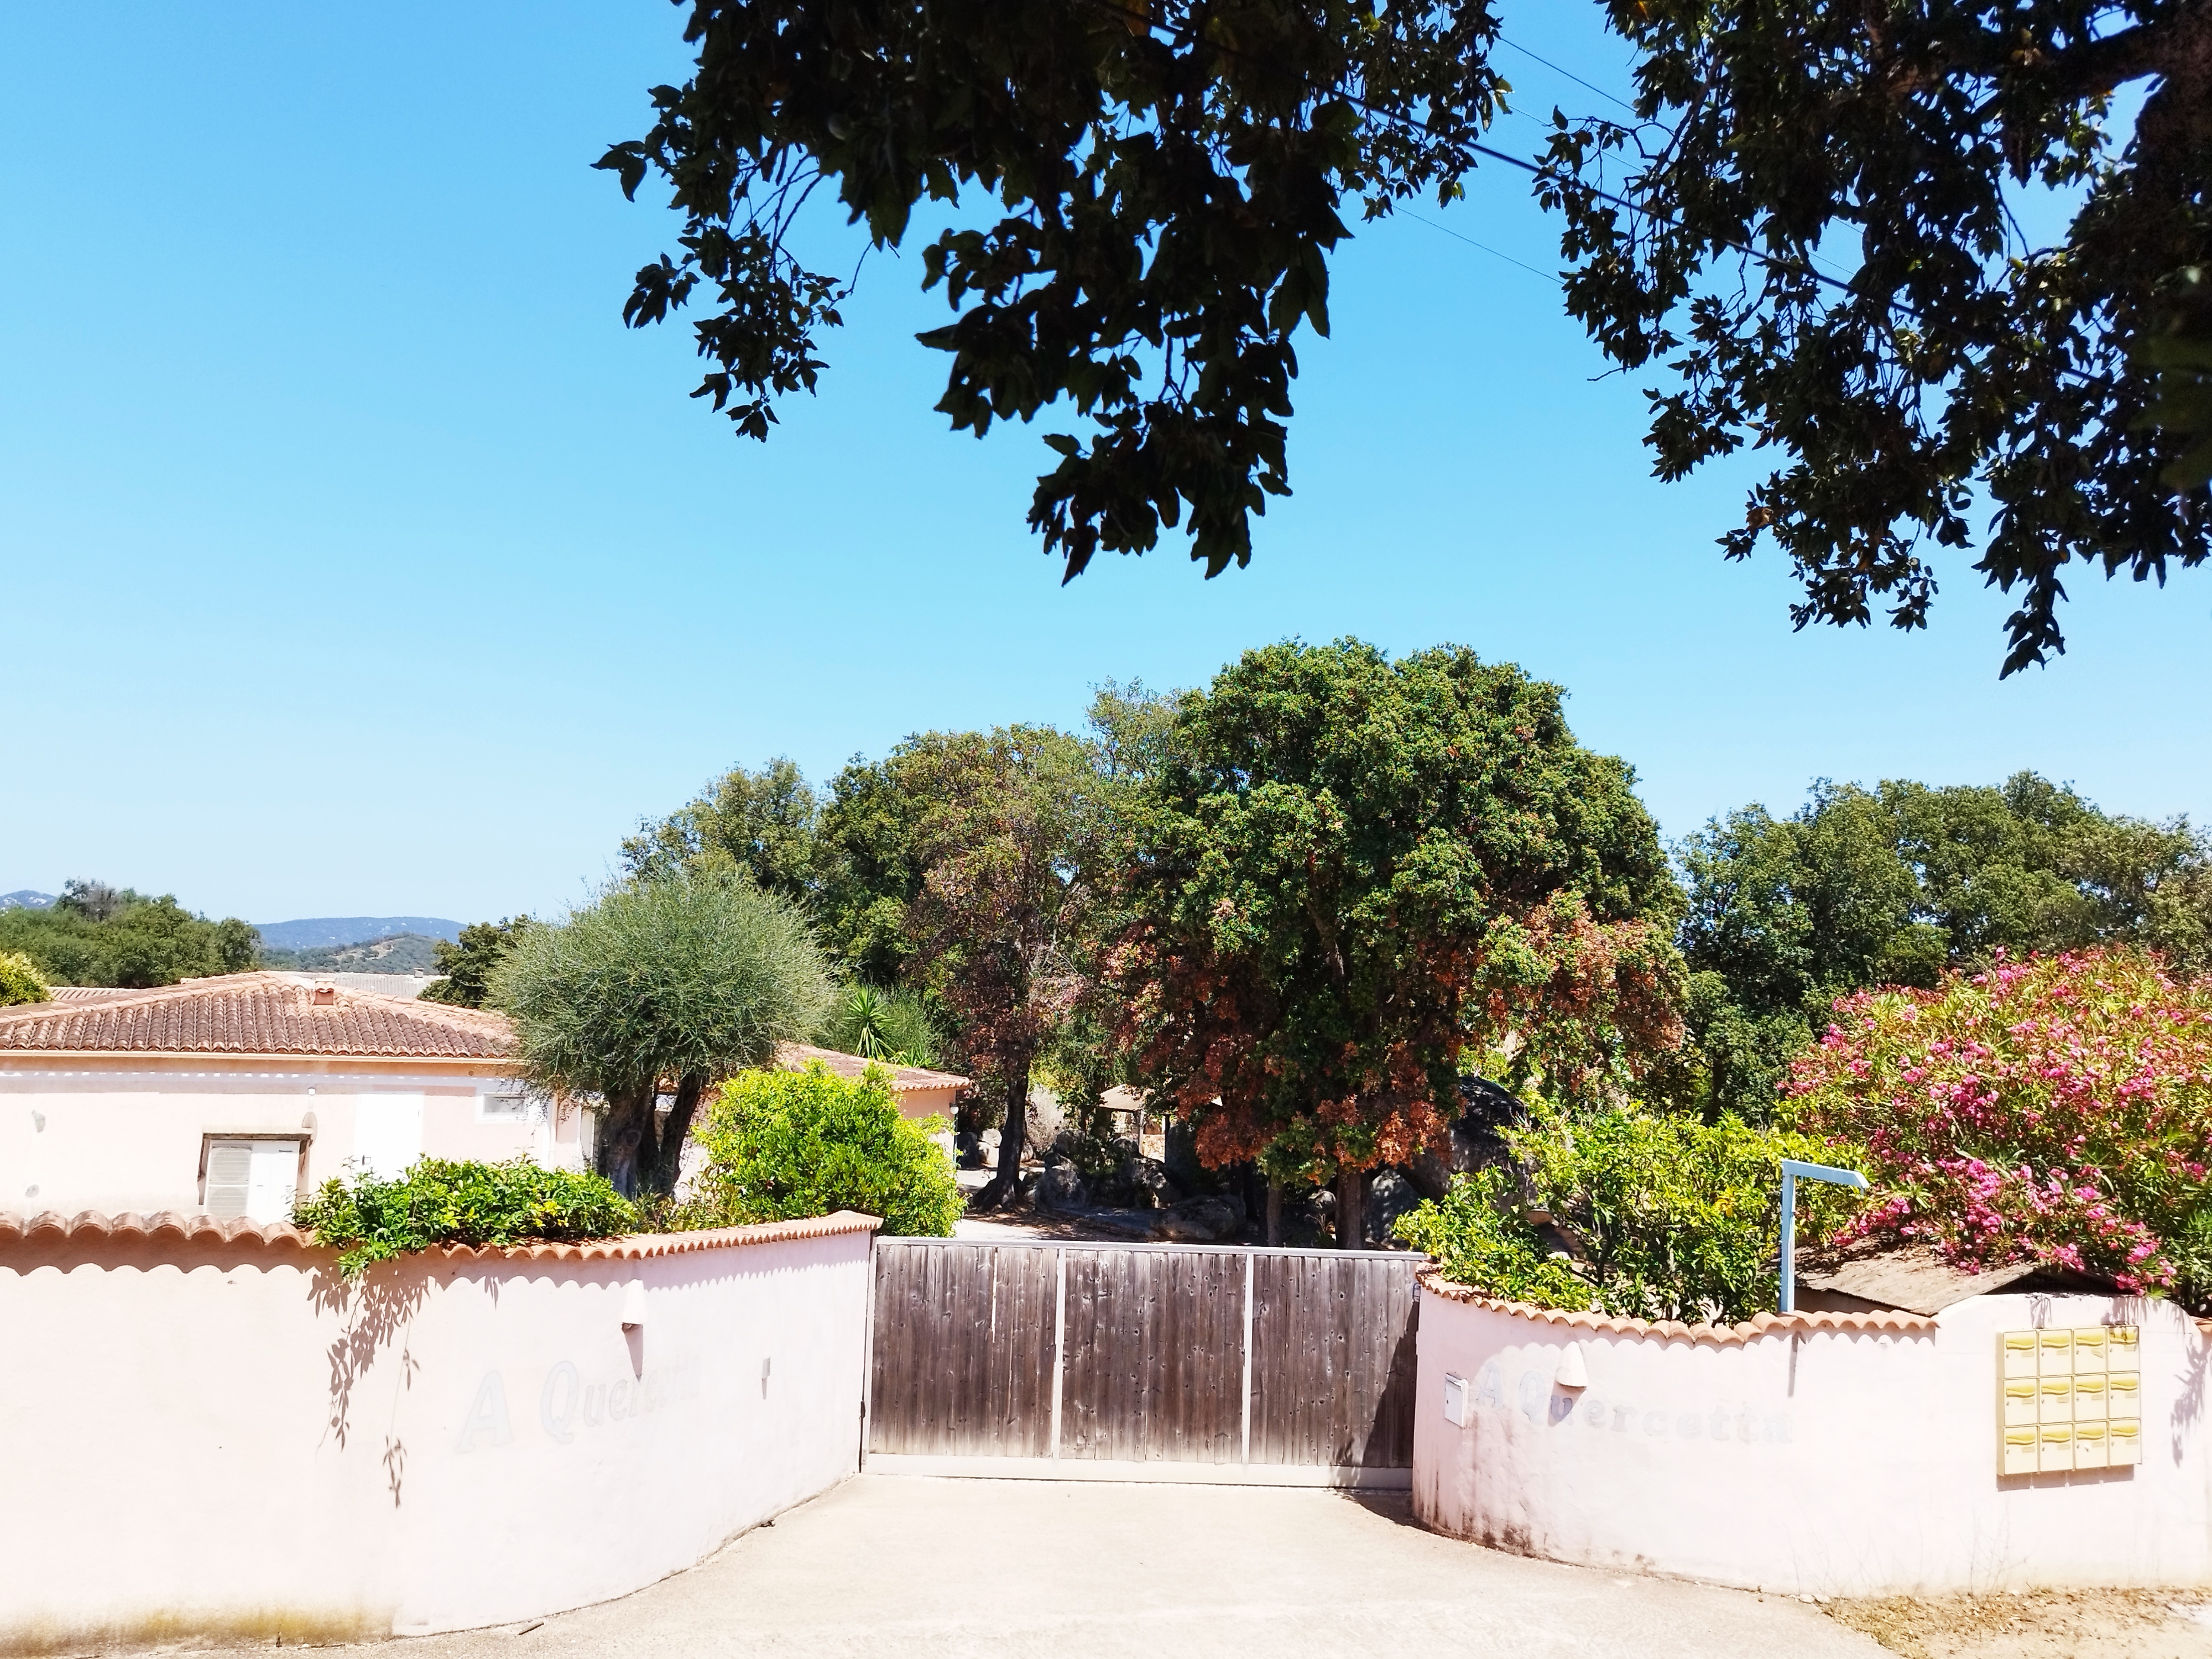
796, 1056
1913, 1277
259, 1013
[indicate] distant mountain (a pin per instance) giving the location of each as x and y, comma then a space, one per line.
24, 899
396, 953
328, 932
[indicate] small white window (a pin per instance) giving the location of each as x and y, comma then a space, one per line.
257, 1179
503, 1106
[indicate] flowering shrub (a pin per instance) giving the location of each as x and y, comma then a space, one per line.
2055, 1109
1677, 1219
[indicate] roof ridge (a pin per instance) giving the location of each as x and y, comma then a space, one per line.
131, 996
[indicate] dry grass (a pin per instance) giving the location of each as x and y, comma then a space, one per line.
2040, 1625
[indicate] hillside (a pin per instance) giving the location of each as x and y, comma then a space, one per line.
398, 953
24, 899
332, 932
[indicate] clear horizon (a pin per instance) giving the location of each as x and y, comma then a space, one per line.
361, 563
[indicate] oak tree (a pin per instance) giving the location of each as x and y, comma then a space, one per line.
1350, 875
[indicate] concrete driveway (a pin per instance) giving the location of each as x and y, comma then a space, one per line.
887, 1566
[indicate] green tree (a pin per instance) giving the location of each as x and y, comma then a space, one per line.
1006, 835
761, 823
679, 981
1170, 179
869, 859
1352, 876
96, 934
1892, 886
1811, 222
891, 1024
467, 964
783, 1145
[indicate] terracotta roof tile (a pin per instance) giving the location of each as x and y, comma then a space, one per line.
170, 1228
1765, 1324
254, 1014
793, 1056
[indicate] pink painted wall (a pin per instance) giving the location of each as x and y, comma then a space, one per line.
1818, 1460
126, 1134
230, 1441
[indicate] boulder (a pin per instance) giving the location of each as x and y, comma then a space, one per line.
1198, 1221
1389, 1195
1059, 1187
987, 1143
1151, 1184
1473, 1139
1180, 1154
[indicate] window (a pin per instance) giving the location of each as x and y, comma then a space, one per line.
256, 1178
505, 1105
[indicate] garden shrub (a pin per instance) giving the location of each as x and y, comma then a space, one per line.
1679, 1219
2055, 1109
445, 1201
21, 980
783, 1145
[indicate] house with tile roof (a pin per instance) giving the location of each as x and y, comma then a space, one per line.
226, 1096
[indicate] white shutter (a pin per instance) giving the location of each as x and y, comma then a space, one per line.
275, 1179
229, 1177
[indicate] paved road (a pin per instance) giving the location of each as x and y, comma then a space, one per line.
887, 1566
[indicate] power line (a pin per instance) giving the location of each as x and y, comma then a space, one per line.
1550, 277
1569, 73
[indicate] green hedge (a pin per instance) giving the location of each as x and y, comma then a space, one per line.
782, 1146
20, 980
444, 1201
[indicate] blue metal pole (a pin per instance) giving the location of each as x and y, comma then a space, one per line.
1787, 1302
1792, 1170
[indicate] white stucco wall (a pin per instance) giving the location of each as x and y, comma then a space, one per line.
116, 1135
1819, 1459
230, 1442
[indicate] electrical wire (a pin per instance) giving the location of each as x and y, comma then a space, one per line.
1496, 254
1569, 73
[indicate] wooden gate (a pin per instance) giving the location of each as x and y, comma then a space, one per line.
1159, 1362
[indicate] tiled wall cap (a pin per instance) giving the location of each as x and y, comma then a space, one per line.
169, 1227
1765, 1324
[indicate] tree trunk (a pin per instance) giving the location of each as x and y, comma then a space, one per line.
625, 1150
1351, 1209
1274, 1212
668, 1162
1006, 1185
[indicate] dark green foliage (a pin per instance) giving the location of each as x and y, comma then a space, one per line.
2181, 353
96, 934
761, 823
469, 963
783, 1145
21, 980
1171, 177
442, 1201
868, 866
1676, 1219
1347, 873
1813, 224
681, 980
890, 1023
1892, 886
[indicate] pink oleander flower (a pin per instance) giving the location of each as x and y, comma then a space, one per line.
2056, 1108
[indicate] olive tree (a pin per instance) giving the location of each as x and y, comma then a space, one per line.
683, 979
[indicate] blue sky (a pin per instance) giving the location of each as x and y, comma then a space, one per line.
358, 561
